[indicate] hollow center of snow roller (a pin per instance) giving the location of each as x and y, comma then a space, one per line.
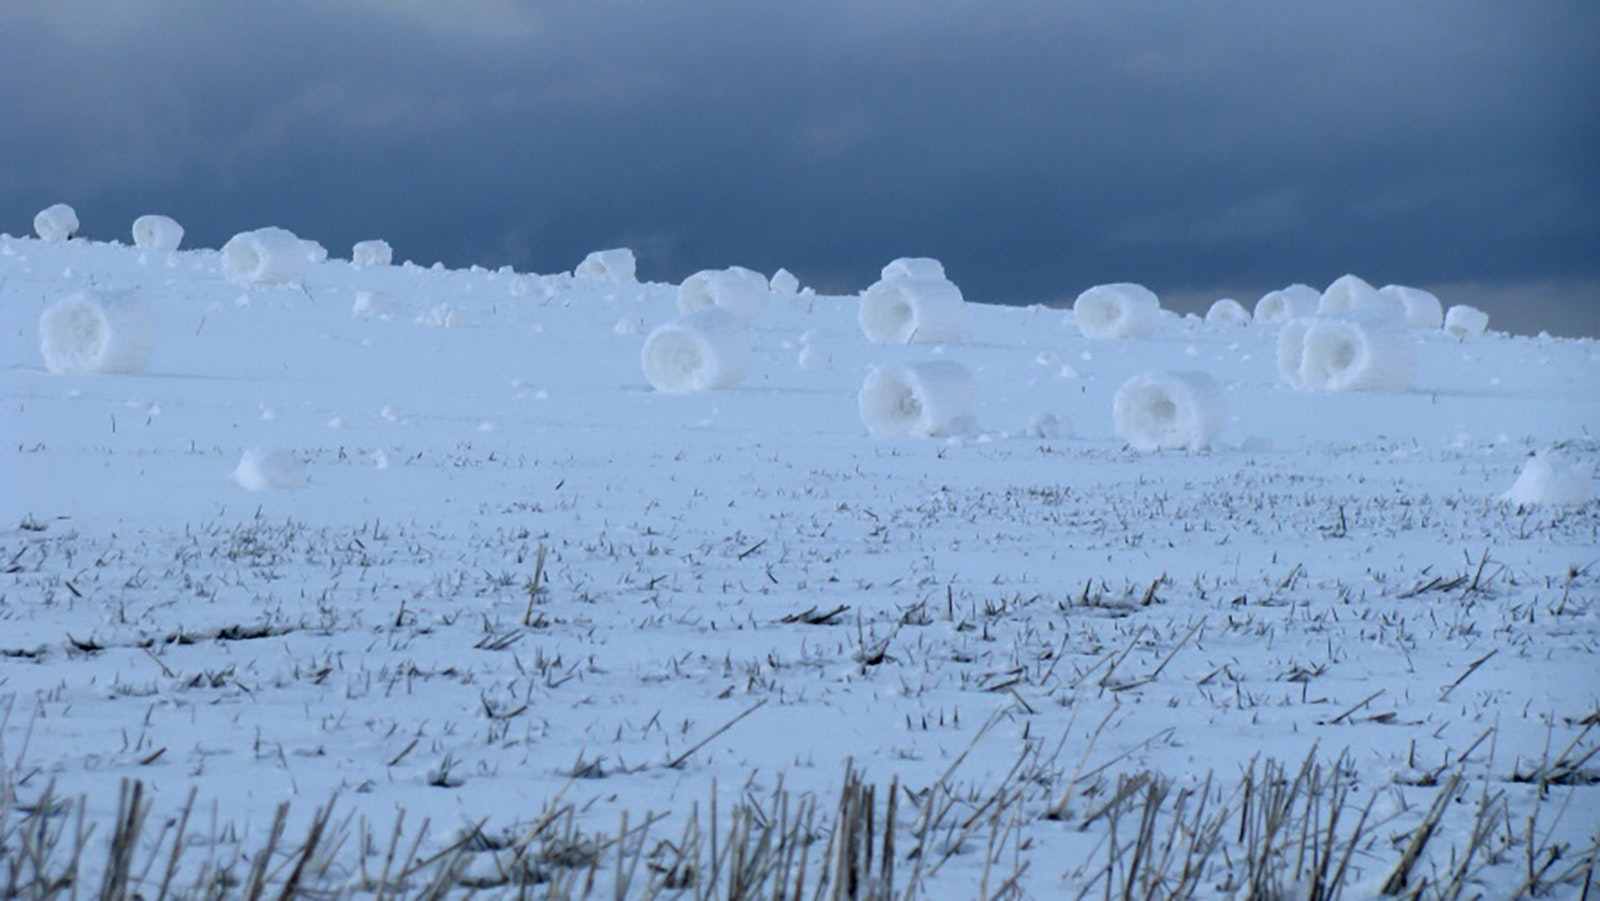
892, 314
243, 260
1163, 412
681, 359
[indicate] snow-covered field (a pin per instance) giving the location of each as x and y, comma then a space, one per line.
491, 583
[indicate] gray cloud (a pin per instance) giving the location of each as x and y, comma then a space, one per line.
1222, 149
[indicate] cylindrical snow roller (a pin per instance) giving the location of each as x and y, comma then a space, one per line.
1463, 321
902, 310
614, 265
1422, 308
266, 256
56, 222
929, 399
97, 332
740, 291
1120, 310
706, 350
914, 267
1168, 411
372, 253
1228, 311
153, 232
1352, 294
1349, 354
1288, 303
260, 469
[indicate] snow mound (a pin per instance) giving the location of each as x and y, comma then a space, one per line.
927, 399
740, 291
314, 251
1121, 310
155, 232
97, 332
266, 256
1168, 410
1351, 354
56, 222
706, 350
1284, 304
1549, 479
1228, 311
372, 253
1463, 321
1423, 309
615, 265
903, 308
269, 470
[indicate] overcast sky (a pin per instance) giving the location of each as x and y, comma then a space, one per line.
1202, 149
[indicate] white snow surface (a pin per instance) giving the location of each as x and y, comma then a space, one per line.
1338, 575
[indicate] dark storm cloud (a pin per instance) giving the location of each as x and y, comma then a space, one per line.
1223, 148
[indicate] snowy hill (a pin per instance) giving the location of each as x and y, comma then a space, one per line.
429, 541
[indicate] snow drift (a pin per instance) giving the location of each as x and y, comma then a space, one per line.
928, 399
913, 304
1288, 303
372, 253
97, 332
266, 256
1463, 321
56, 222
740, 291
706, 350
1168, 410
155, 232
615, 265
1369, 353
1121, 310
